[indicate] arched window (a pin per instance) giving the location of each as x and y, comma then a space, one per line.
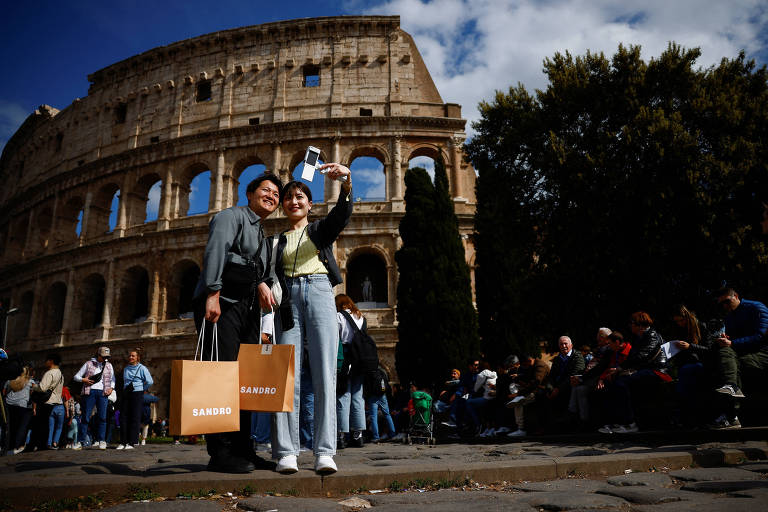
91, 301
134, 296
139, 208
424, 162
369, 178
181, 289
102, 216
53, 316
199, 193
248, 175
367, 281
70, 216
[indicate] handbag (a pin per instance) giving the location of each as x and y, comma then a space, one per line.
204, 394
267, 377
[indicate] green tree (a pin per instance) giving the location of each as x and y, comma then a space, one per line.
437, 323
622, 185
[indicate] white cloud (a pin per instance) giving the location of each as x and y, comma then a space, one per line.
511, 38
426, 163
369, 183
12, 116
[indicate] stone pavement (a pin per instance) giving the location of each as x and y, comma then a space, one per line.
644, 472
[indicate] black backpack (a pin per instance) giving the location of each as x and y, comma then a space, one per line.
362, 356
375, 383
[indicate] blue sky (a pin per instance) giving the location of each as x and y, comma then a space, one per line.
471, 47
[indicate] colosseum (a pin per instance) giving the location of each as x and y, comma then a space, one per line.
83, 263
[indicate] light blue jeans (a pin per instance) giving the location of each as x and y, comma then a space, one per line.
55, 423
375, 402
350, 407
307, 414
314, 317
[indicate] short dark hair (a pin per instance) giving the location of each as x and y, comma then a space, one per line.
56, 358
725, 290
253, 185
293, 185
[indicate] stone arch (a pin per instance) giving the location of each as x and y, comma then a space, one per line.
100, 210
185, 187
90, 301
70, 215
372, 184
137, 200
23, 319
367, 277
238, 183
134, 296
53, 312
181, 289
432, 151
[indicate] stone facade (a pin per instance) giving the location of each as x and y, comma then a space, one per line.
351, 86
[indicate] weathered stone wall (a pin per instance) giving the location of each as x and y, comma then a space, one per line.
352, 86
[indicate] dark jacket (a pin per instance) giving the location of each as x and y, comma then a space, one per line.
747, 326
646, 353
562, 371
323, 233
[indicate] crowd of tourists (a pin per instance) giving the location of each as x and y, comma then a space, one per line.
90, 409
698, 378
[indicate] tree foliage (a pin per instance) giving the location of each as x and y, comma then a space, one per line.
623, 185
437, 323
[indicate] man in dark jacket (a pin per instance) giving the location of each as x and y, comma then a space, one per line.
566, 364
744, 344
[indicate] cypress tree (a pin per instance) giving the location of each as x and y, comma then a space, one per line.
437, 323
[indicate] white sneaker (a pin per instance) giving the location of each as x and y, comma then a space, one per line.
518, 433
18, 450
102, 445
77, 446
324, 464
626, 429
120, 447
143, 442
502, 430
608, 429
287, 465
129, 447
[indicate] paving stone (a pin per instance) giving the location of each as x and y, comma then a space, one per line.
712, 474
448, 500
168, 506
566, 484
633, 479
287, 503
645, 495
725, 485
355, 503
758, 494
757, 467
720, 504
566, 500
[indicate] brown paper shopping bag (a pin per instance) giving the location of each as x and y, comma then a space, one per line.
266, 377
204, 394
266, 372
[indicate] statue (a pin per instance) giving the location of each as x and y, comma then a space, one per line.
367, 290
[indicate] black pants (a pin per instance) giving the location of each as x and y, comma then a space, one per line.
130, 416
236, 325
18, 421
39, 436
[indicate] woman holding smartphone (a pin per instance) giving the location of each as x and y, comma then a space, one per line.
307, 271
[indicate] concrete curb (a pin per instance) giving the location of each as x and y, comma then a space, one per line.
307, 483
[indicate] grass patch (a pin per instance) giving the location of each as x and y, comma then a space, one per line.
200, 493
286, 492
428, 484
142, 493
89, 502
359, 490
395, 486
247, 490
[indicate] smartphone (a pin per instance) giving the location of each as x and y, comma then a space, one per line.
311, 161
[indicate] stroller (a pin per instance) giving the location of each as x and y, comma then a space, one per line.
421, 426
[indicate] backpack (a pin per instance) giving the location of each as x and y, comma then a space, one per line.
375, 383
362, 355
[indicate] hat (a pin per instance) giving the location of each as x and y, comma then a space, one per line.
103, 351
511, 360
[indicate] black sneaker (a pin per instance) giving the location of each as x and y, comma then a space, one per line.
356, 439
341, 441
230, 464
